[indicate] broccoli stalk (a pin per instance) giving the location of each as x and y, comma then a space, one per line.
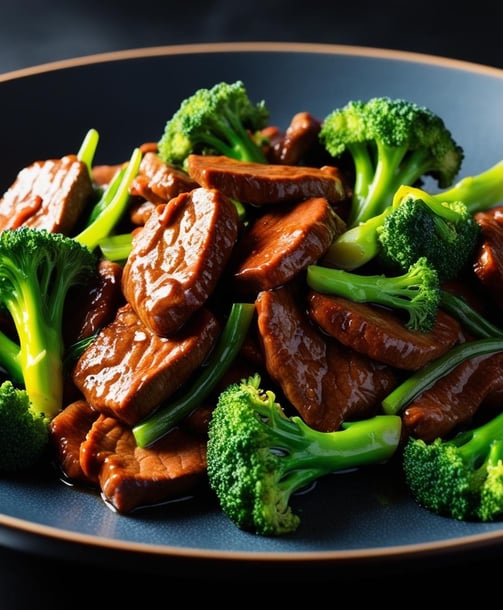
391, 142
10, 359
417, 291
221, 120
109, 210
258, 457
87, 150
471, 320
229, 343
442, 227
478, 192
419, 381
461, 477
37, 269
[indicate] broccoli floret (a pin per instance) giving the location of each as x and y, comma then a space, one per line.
220, 120
420, 224
37, 270
24, 432
258, 457
417, 291
391, 142
366, 241
460, 477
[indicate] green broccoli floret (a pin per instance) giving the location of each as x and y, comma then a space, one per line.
221, 120
460, 477
368, 240
24, 432
37, 270
417, 291
258, 458
391, 142
422, 225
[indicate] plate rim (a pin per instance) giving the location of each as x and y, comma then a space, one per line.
254, 47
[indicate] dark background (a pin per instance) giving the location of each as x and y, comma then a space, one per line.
40, 31
35, 32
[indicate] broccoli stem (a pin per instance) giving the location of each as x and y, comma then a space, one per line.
106, 220
473, 443
367, 441
356, 287
374, 197
415, 291
228, 346
42, 367
469, 318
310, 454
10, 359
357, 245
87, 150
107, 196
116, 247
478, 192
432, 372
236, 141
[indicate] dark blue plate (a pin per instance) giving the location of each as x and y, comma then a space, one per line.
348, 519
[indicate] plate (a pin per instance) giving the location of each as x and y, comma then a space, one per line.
349, 518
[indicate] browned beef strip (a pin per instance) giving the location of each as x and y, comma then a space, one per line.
300, 137
454, 399
488, 265
104, 174
140, 211
132, 477
49, 195
282, 242
66, 432
326, 382
380, 333
264, 184
159, 182
128, 370
94, 306
178, 257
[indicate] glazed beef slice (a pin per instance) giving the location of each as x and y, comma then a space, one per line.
266, 184
178, 257
488, 265
49, 195
131, 477
98, 451
325, 381
127, 371
380, 333
282, 242
455, 398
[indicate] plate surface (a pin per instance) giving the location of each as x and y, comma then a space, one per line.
349, 518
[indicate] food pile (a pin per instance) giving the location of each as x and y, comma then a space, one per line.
250, 308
